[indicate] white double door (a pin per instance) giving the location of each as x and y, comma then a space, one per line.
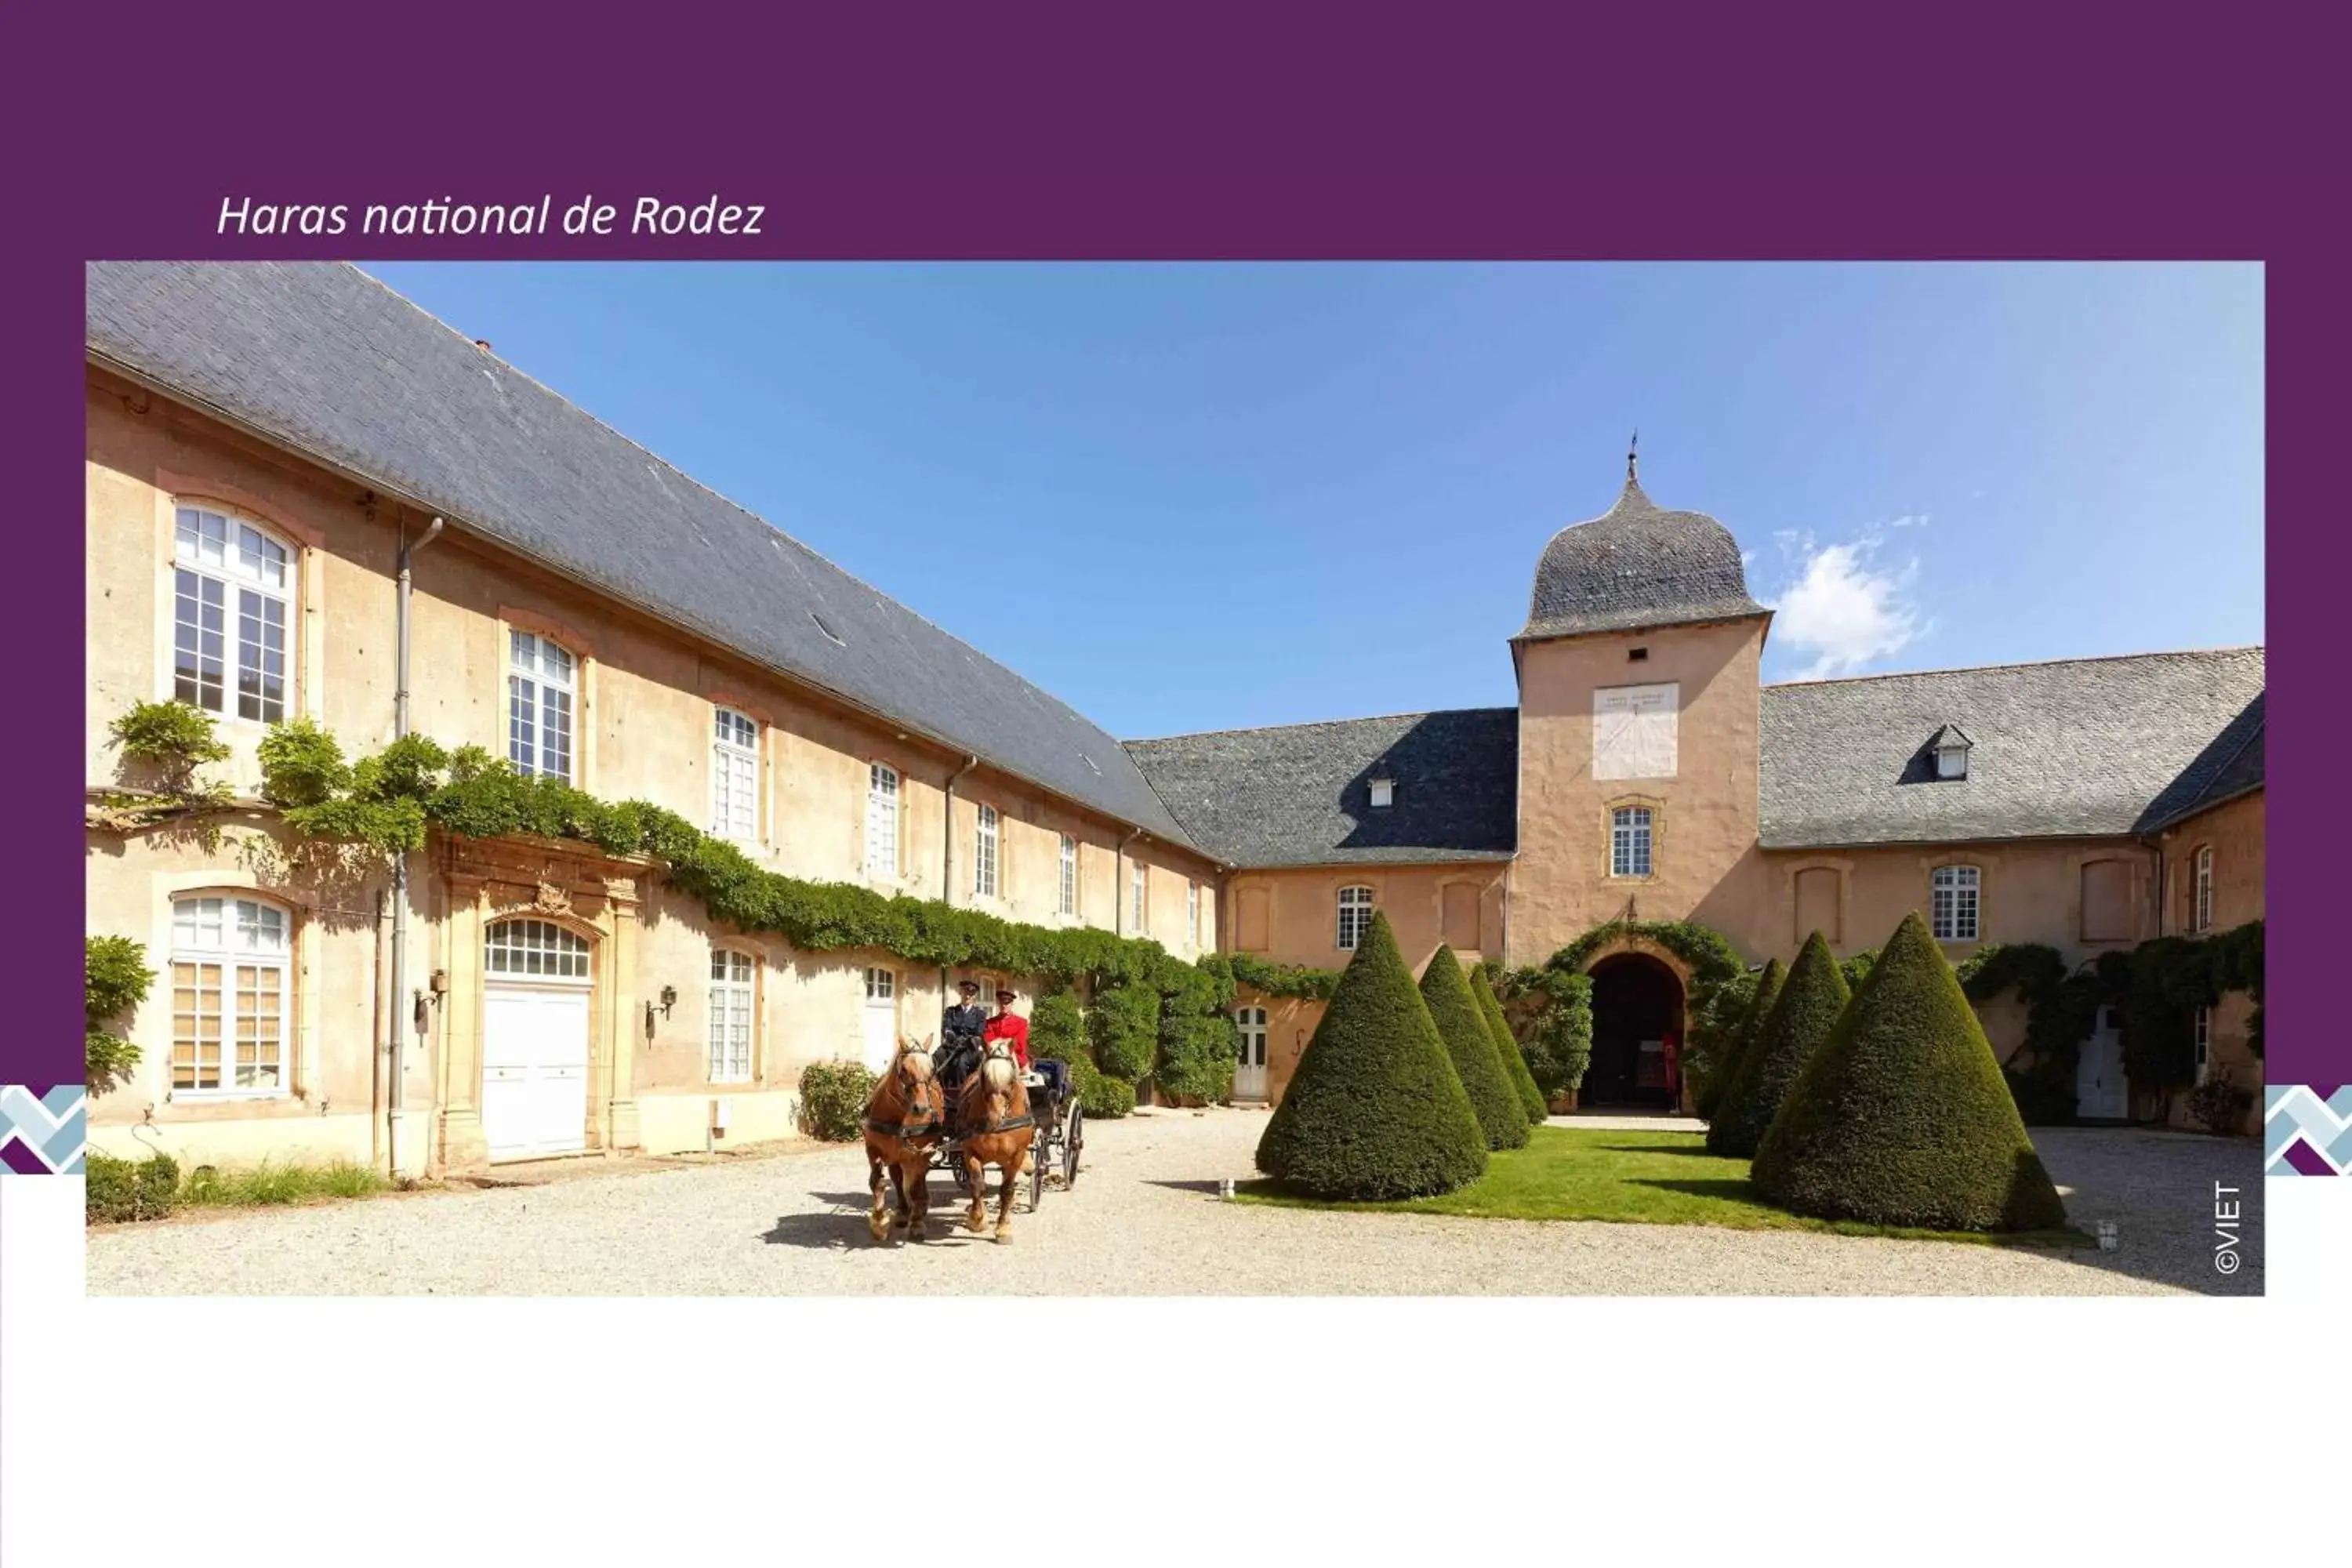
535, 1069
2101, 1091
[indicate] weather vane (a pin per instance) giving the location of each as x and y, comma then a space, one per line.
1633, 448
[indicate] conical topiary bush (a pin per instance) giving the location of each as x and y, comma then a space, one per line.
1802, 1017
1751, 1023
1472, 1046
1374, 1109
1506, 1047
1901, 1117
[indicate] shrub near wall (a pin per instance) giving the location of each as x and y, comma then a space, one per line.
1802, 1017
1721, 1072
1506, 1048
834, 1097
1374, 1109
1463, 1029
1901, 1117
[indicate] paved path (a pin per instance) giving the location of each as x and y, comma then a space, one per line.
1144, 1221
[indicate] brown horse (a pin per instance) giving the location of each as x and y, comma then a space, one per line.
904, 1119
994, 1123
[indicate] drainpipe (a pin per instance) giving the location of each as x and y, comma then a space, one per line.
395, 1105
947, 869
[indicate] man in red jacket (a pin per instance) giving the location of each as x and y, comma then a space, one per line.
1009, 1026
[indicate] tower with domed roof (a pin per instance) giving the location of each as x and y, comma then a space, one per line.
1638, 673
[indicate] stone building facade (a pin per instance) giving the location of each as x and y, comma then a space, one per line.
267, 443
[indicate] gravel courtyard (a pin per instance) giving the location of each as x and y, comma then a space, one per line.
1144, 1220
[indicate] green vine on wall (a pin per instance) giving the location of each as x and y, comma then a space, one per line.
115, 980
382, 805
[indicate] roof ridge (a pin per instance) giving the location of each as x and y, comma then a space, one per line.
618, 434
2018, 664
1310, 724
793, 540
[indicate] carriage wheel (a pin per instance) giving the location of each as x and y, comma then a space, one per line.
1073, 1141
1036, 1173
956, 1165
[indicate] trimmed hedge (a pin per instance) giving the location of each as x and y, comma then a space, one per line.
1375, 1110
1802, 1017
1767, 991
1124, 1024
116, 1189
1506, 1048
1901, 1117
1058, 1029
1197, 1052
1463, 1027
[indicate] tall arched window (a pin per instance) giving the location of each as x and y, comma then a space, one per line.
882, 820
1954, 903
1068, 901
983, 858
229, 996
540, 677
734, 776
733, 976
2202, 908
231, 588
1355, 916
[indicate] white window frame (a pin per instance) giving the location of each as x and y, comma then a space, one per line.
2201, 906
1953, 892
2204, 1039
733, 1029
1193, 911
1139, 899
987, 834
882, 985
233, 590
734, 774
883, 787
1355, 905
1251, 1022
240, 939
1066, 899
1632, 842
531, 683
522, 949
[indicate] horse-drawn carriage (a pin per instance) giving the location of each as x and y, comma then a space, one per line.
971, 1107
1060, 1138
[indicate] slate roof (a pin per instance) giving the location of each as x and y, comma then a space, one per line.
1637, 565
327, 361
2087, 747
2229, 767
1299, 795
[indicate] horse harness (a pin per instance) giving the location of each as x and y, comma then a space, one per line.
923, 1112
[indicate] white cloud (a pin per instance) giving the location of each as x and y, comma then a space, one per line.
1841, 606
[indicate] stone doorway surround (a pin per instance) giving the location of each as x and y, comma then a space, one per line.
572, 885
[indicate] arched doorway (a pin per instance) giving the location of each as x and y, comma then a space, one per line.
1637, 1008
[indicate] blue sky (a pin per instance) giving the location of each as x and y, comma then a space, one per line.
1197, 497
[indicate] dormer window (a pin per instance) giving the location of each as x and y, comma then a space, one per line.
1951, 749
1383, 789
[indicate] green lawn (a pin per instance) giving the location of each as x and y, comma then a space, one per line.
1648, 1178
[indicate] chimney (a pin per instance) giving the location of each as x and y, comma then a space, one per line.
483, 344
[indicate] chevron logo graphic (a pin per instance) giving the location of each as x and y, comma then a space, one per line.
43, 1135
2304, 1134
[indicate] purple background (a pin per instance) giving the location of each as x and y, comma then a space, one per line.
1206, 131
